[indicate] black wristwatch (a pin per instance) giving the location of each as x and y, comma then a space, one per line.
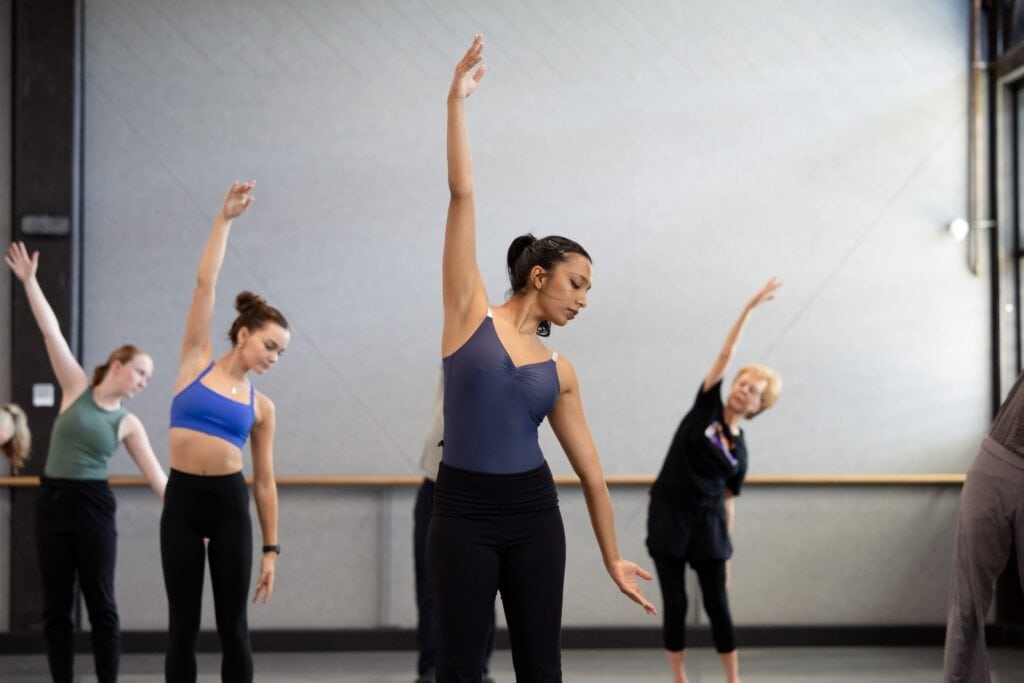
272, 549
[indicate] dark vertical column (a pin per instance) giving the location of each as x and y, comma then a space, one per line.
46, 116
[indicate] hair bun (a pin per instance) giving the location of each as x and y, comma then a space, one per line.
247, 301
518, 246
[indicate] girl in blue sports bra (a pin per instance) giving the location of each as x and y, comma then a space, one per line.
214, 411
496, 525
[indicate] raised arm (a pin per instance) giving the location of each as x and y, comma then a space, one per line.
465, 299
196, 347
264, 488
133, 434
70, 375
732, 340
570, 426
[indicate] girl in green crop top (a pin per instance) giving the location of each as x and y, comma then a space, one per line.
76, 508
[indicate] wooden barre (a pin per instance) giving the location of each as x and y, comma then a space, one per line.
562, 480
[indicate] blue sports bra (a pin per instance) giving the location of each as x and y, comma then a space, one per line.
200, 408
492, 408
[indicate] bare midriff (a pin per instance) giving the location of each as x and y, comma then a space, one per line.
193, 452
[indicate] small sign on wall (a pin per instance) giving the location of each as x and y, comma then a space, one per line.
42, 224
43, 395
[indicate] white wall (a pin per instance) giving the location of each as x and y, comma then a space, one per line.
695, 149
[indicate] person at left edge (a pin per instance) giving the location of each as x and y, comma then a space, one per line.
75, 515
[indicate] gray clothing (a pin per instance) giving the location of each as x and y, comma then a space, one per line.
991, 516
431, 455
1008, 427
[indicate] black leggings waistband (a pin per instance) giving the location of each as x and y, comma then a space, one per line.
461, 492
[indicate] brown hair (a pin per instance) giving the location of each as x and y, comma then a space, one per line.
124, 354
18, 446
253, 313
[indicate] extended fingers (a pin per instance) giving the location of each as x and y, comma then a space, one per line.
473, 55
636, 596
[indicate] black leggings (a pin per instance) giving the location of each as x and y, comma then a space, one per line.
711, 574
497, 533
76, 533
217, 508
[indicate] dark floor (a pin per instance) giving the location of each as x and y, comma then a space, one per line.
757, 665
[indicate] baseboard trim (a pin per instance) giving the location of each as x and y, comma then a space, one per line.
341, 640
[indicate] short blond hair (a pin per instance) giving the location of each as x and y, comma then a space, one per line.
771, 391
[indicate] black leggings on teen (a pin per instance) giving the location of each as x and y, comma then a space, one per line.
76, 534
711, 574
217, 508
494, 533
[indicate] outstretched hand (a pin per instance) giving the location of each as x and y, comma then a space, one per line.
466, 79
766, 293
238, 199
624, 574
22, 265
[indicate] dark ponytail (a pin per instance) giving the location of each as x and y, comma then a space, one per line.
253, 313
526, 251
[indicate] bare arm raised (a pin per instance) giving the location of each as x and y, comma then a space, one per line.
465, 300
70, 375
732, 340
196, 346
570, 426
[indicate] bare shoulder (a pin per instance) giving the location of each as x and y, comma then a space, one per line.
567, 380
265, 409
129, 425
189, 370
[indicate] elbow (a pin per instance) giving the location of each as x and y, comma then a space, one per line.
460, 186
263, 486
593, 483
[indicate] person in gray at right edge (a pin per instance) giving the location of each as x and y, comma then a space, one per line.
990, 522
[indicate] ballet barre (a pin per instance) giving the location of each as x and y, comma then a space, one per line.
936, 479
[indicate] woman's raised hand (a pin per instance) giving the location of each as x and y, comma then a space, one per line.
466, 79
22, 265
237, 200
766, 293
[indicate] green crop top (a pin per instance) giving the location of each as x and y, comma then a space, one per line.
83, 439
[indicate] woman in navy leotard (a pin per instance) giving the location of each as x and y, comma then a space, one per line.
496, 525
215, 409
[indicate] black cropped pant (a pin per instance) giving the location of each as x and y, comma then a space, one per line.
497, 533
76, 533
711, 575
217, 508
